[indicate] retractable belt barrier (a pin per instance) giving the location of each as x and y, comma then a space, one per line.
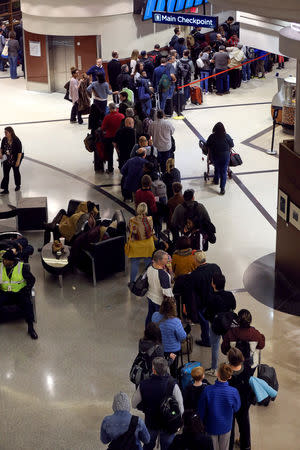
223, 71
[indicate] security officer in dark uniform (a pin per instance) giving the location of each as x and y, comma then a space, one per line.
16, 282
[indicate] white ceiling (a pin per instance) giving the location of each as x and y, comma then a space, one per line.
288, 10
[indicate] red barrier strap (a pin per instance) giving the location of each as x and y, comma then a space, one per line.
223, 71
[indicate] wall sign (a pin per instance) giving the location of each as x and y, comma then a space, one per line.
169, 6
295, 215
191, 20
34, 48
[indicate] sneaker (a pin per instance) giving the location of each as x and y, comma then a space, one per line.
211, 372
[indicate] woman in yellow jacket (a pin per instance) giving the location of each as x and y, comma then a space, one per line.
141, 243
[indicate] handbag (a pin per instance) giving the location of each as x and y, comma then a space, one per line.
140, 286
200, 63
4, 53
187, 345
235, 160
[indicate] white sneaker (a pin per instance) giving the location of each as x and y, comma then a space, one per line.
211, 372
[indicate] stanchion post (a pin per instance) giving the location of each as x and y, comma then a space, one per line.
272, 151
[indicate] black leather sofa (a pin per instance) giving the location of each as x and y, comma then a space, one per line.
107, 257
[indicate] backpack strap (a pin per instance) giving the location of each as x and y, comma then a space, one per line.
170, 387
133, 424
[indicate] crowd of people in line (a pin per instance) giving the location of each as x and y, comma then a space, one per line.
183, 288
170, 234
11, 49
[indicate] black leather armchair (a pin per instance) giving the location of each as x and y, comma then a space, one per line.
107, 257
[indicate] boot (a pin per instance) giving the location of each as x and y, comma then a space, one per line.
31, 331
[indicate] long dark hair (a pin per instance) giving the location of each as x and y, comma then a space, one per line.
152, 333
219, 129
11, 131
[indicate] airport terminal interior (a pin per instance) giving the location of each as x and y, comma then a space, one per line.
55, 392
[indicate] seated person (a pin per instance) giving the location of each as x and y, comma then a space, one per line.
15, 287
20, 247
69, 227
97, 234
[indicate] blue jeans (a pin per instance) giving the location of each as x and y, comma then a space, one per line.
134, 266
186, 93
222, 84
146, 107
165, 440
152, 308
204, 324
163, 98
171, 91
215, 342
204, 84
162, 159
246, 69
221, 166
13, 61
2, 62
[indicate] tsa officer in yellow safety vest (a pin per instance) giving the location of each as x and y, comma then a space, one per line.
16, 282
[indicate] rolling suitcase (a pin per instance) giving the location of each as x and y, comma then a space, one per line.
185, 377
178, 102
169, 107
196, 95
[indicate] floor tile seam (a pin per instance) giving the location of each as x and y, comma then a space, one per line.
82, 180
254, 172
227, 106
34, 122
241, 185
254, 201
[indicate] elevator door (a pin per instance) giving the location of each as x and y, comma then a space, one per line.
61, 59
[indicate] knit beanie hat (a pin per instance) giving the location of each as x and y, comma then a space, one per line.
121, 402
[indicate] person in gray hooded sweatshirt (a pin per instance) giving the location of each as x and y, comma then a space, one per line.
118, 423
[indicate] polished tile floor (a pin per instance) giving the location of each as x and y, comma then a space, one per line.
55, 392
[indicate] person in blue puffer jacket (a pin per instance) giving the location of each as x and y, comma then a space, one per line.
172, 331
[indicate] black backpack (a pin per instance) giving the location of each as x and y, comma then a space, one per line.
142, 368
244, 347
170, 415
184, 70
151, 158
126, 441
268, 374
223, 321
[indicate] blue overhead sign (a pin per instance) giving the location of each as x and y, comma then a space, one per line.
169, 6
187, 20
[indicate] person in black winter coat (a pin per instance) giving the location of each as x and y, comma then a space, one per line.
114, 70
124, 78
193, 436
171, 176
11, 155
152, 340
220, 144
240, 380
220, 301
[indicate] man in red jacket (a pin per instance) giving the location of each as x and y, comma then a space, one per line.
110, 125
